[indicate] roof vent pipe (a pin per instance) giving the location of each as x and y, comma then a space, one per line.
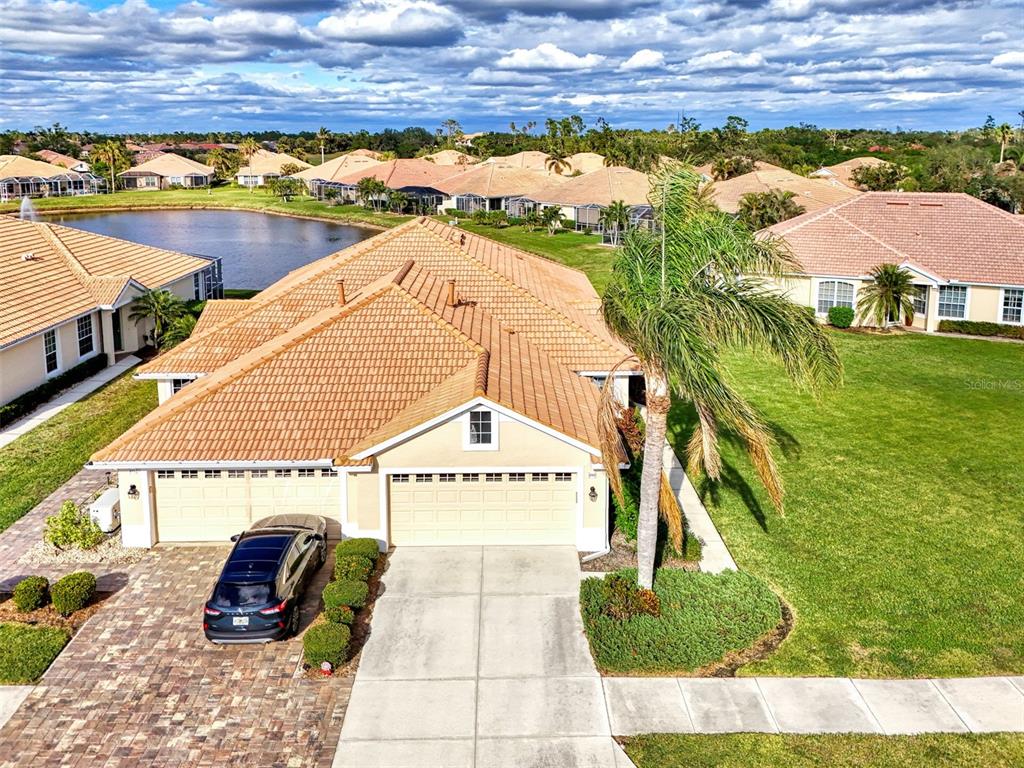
341, 293
451, 293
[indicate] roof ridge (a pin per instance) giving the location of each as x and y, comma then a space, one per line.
62, 249
440, 321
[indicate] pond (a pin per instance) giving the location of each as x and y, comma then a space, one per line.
256, 249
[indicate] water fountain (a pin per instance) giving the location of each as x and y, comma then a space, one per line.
28, 211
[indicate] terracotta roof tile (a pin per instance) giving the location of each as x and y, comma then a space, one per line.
812, 194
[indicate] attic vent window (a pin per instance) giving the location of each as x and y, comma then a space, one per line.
904, 203
931, 205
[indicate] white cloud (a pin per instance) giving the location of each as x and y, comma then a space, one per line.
1009, 59
645, 58
406, 23
484, 76
547, 56
727, 60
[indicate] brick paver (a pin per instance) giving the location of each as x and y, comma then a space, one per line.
140, 686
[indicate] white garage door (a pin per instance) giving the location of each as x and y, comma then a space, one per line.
484, 508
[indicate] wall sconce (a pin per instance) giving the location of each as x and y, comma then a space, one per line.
593, 493
133, 492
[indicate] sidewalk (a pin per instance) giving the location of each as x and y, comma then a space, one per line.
51, 408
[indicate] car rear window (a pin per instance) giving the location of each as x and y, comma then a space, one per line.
228, 595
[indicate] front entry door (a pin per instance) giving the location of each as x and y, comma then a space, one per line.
116, 322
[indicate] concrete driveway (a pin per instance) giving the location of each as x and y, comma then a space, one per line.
477, 658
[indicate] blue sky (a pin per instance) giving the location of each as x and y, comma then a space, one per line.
298, 64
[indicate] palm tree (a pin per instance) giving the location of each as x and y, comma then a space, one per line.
179, 329
397, 200
762, 209
221, 161
162, 307
890, 293
551, 217
323, 136
615, 219
680, 297
1004, 133
247, 148
557, 162
115, 155
371, 191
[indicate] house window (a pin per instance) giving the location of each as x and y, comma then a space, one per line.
953, 301
539, 477
165, 474
563, 477
50, 350
921, 300
833, 293
471, 478
210, 474
1013, 305
446, 478
236, 474
326, 473
259, 473
190, 474
424, 478
177, 384
306, 472
517, 477
399, 478
282, 473
84, 335
480, 431
493, 477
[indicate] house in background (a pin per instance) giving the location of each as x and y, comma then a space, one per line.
812, 194
966, 256
321, 178
583, 162
451, 157
265, 166
64, 161
418, 178
583, 198
843, 172
23, 177
490, 187
64, 293
426, 386
167, 170
530, 159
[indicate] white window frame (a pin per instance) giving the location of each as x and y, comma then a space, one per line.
967, 303
80, 338
56, 352
1002, 305
467, 445
837, 282
922, 298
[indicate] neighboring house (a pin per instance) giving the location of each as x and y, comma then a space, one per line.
451, 157
23, 177
582, 198
490, 187
425, 386
531, 160
584, 162
265, 166
967, 256
321, 178
165, 171
416, 177
64, 295
812, 194
843, 172
64, 161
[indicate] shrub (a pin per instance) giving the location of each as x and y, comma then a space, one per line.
840, 317
623, 599
326, 642
26, 651
979, 328
73, 592
346, 592
31, 594
362, 547
72, 528
23, 404
355, 567
340, 614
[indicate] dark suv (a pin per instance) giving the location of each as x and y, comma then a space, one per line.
256, 599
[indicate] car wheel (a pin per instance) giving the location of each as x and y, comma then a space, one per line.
293, 624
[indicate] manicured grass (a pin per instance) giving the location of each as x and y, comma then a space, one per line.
27, 651
901, 549
703, 617
219, 197
239, 293
37, 463
845, 751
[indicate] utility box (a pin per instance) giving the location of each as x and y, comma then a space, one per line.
106, 510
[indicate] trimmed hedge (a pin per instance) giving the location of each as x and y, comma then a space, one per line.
31, 594
346, 592
27, 651
840, 317
703, 617
979, 328
73, 592
326, 642
28, 402
340, 614
362, 547
354, 567
72, 528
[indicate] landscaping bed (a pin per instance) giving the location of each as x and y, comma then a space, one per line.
622, 554
698, 624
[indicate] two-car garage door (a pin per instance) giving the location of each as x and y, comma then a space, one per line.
483, 508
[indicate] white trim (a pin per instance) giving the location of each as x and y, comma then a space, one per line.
618, 374
167, 376
229, 464
142, 535
1002, 307
967, 302
56, 341
467, 444
817, 290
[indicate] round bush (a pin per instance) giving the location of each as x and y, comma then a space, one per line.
31, 594
340, 614
72, 528
840, 317
346, 592
326, 642
355, 567
362, 547
73, 592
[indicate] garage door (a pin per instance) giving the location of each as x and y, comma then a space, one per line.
485, 508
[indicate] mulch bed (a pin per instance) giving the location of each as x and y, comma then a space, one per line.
623, 555
48, 617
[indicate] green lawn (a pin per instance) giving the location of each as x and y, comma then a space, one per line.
845, 751
27, 651
37, 463
902, 549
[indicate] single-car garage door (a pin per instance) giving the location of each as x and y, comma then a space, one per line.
483, 508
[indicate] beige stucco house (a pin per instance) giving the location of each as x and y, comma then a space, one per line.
427, 386
965, 255
64, 294
167, 170
264, 166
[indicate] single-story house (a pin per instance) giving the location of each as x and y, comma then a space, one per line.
812, 194
966, 256
451, 157
64, 293
320, 178
530, 159
584, 162
490, 186
426, 386
64, 161
583, 198
23, 177
843, 172
416, 177
165, 171
265, 166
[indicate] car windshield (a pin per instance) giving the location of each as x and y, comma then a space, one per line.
228, 595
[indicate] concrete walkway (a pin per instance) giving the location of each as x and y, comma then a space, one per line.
11, 697
51, 408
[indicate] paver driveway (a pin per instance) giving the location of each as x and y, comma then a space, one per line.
140, 686
477, 658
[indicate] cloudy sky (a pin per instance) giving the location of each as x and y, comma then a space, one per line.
299, 64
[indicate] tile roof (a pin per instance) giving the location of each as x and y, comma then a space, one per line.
216, 311
552, 305
71, 272
169, 164
843, 172
532, 159
494, 180
950, 235
264, 161
585, 162
340, 166
452, 157
350, 376
401, 174
600, 187
56, 158
812, 194
12, 166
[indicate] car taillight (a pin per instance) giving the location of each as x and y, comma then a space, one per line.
211, 611
274, 608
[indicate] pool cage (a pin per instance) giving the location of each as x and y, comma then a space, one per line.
61, 185
640, 216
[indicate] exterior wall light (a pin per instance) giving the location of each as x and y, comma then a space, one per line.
133, 492
592, 494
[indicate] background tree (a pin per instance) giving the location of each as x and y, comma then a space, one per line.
398, 201
162, 307
680, 298
372, 192
551, 217
114, 155
285, 188
557, 161
762, 209
880, 178
222, 161
179, 329
323, 135
888, 295
247, 148
290, 169
615, 219
729, 167
1004, 134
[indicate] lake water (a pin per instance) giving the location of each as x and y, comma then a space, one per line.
256, 249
